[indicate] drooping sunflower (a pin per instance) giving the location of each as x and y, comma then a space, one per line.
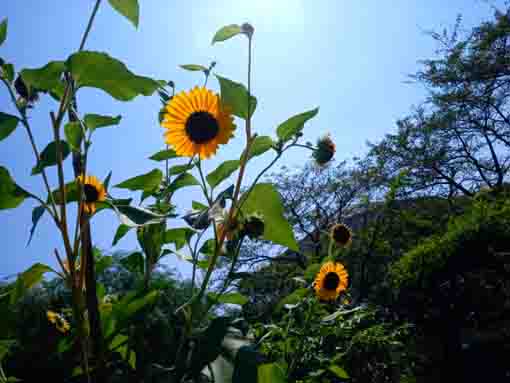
197, 123
325, 150
61, 324
331, 280
93, 190
341, 234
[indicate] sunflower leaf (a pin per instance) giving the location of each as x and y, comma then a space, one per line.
178, 236
230, 298
71, 189
46, 77
194, 67
260, 145
11, 195
338, 371
99, 70
134, 216
271, 373
121, 232
28, 279
222, 172
134, 262
73, 133
294, 125
48, 156
226, 32
3, 31
8, 70
37, 213
163, 155
265, 199
184, 180
178, 169
127, 8
94, 121
7, 125
198, 206
235, 95
146, 182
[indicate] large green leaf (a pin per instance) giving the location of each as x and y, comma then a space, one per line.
73, 133
235, 95
11, 195
45, 78
260, 145
194, 67
134, 216
127, 8
7, 125
99, 70
265, 200
288, 129
185, 179
178, 236
222, 172
163, 155
27, 280
121, 232
128, 306
178, 169
226, 32
271, 373
3, 31
146, 182
48, 156
94, 121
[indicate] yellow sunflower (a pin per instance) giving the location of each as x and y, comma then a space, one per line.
59, 321
341, 234
331, 280
93, 190
197, 123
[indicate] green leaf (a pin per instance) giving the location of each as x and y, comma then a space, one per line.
311, 271
178, 236
178, 169
222, 172
106, 182
209, 247
11, 195
128, 306
99, 70
163, 155
134, 262
198, 206
37, 213
8, 70
94, 121
146, 182
7, 125
45, 78
194, 67
226, 32
5, 345
134, 216
260, 145
104, 262
71, 189
295, 297
265, 200
27, 280
231, 298
3, 31
184, 180
235, 95
127, 8
121, 232
294, 125
271, 373
73, 133
338, 371
48, 156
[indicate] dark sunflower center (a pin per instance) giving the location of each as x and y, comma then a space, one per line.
341, 234
201, 127
91, 193
331, 281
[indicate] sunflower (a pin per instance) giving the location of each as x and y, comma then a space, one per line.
197, 123
59, 321
331, 280
93, 190
341, 234
325, 150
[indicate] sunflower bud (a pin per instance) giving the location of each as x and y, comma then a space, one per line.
25, 91
325, 150
341, 234
247, 29
253, 226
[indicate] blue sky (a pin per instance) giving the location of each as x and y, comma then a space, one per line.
351, 58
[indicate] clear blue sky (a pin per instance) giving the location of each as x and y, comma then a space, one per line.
351, 58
